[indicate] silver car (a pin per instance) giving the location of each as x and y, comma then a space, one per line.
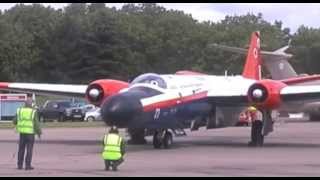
93, 115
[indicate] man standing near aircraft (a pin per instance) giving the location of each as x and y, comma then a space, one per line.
256, 129
27, 125
114, 149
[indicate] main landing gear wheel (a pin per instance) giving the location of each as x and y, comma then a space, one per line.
162, 139
167, 140
157, 140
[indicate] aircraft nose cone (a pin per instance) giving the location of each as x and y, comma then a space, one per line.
120, 109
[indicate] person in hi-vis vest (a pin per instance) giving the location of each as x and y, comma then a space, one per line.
27, 125
113, 150
256, 128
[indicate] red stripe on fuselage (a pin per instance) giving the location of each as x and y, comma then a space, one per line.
194, 96
175, 101
4, 85
297, 80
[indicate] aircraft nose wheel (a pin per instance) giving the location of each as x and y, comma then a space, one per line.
162, 139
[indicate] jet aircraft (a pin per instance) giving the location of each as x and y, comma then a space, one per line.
186, 99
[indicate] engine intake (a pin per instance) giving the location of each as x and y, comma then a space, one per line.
98, 90
266, 93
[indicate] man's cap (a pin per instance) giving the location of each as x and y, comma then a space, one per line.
252, 108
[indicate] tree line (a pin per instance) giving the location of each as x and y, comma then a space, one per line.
81, 42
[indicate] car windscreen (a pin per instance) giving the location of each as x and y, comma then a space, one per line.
94, 110
65, 104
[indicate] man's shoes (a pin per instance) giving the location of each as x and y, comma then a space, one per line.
252, 144
29, 168
107, 168
114, 168
19, 167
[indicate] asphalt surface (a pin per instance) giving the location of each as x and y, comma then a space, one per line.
293, 149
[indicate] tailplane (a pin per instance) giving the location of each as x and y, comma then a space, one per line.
276, 62
280, 68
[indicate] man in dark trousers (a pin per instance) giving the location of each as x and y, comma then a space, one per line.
27, 125
114, 149
257, 125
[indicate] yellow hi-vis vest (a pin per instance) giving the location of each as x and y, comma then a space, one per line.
112, 147
25, 120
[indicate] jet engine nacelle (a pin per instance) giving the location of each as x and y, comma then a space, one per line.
265, 93
100, 89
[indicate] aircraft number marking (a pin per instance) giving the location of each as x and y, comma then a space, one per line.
157, 114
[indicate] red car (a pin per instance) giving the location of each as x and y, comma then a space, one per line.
244, 120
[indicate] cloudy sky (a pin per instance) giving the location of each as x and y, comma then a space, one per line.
292, 15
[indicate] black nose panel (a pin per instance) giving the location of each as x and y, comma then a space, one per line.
120, 109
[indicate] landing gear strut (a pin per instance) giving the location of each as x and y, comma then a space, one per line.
162, 138
136, 136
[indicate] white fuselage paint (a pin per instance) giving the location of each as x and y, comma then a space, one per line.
185, 85
216, 84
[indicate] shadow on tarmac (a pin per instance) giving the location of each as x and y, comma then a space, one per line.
177, 145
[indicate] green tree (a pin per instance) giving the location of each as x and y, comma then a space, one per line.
305, 48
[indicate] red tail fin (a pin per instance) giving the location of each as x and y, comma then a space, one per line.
252, 68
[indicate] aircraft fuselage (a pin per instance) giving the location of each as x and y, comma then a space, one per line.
188, 93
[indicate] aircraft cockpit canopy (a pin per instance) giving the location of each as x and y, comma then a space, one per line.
151, 78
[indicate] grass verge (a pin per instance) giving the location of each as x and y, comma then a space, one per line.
8, 125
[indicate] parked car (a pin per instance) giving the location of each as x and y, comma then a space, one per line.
93, 115
244, 120
79, 111
54, 110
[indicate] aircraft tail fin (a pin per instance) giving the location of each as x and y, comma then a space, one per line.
252, 67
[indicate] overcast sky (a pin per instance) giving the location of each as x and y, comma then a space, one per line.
292, 15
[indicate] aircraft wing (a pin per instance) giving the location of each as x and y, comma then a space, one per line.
68, 90
297, 93
227, 97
